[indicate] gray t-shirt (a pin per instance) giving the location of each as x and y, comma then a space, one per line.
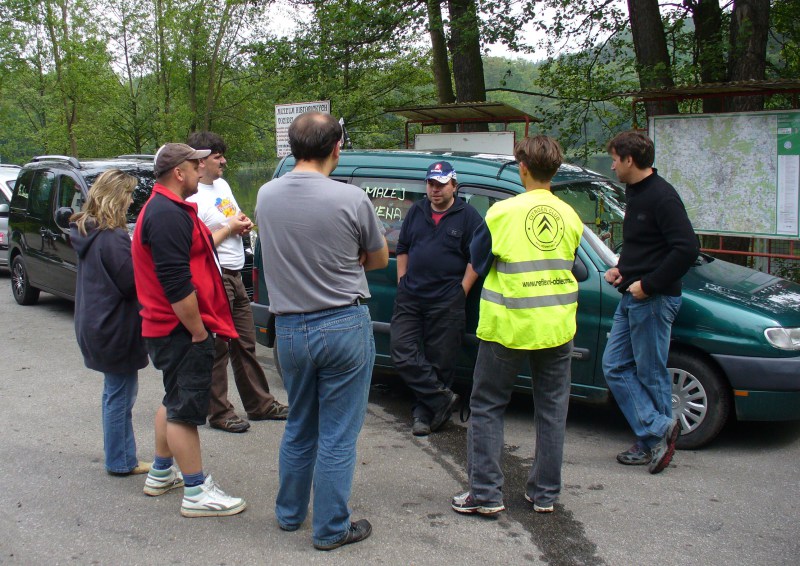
312, 229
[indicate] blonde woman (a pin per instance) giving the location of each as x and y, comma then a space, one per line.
107, 322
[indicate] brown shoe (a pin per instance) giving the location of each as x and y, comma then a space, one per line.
233, 424
276, 412
141, 468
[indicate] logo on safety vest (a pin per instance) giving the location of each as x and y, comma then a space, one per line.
544, 227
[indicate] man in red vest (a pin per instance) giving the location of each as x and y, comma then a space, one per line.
184, 305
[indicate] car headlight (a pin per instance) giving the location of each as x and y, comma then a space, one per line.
783, 338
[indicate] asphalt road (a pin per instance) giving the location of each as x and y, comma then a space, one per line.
735, 502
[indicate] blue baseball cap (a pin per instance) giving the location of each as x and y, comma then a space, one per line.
441, 172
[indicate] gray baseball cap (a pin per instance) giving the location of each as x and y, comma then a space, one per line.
170, 155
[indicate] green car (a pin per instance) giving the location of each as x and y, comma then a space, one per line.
735, 343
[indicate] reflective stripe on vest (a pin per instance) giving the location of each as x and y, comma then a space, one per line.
529, 302
534, 265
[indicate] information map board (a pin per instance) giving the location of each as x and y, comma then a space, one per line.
737, 174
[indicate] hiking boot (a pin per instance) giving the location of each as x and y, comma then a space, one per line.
208, 500
276, 412
443, 414
357, 532
159, 482
539, 508
663, 451
420, 427
465, 503
636, 455
233, 424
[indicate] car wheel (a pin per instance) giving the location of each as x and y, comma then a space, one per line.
24, 294
701, 399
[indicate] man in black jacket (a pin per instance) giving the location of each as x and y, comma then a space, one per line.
659, 247
433, 280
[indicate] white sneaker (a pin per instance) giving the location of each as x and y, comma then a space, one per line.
208, 500
159, 482
539, 508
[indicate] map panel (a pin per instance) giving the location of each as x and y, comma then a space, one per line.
737, 173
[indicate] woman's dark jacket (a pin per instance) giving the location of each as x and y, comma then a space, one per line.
107, 322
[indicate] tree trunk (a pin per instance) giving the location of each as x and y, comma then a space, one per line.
465, 48
652, 57
747, 60
707, 17
440, 61
748, 49
163, 73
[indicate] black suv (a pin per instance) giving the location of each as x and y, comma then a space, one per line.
48, 191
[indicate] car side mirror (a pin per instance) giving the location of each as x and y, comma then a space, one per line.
3, 210
63, 215
579, 270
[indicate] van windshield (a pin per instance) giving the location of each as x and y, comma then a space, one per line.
600, 205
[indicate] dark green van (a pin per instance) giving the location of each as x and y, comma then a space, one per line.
735, 344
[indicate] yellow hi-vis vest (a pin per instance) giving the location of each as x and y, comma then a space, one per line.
530, 296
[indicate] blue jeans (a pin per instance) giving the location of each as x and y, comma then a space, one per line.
635, 364
496, 370
326, 359
119, 395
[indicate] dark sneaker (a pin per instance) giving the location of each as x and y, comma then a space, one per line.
539, 508
465, 503
233, 424
663, 451
636, 455
358, 531
443, 414
276, 412
420, 427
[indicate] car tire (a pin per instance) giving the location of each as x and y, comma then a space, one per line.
24, 294
701, 399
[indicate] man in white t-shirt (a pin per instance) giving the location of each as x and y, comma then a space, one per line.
217, 208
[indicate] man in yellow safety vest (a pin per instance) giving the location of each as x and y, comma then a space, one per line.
526, 250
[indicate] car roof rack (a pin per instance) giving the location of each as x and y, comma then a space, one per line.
144, 156
63, 158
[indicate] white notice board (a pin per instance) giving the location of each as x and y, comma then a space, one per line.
285, 115
483, 142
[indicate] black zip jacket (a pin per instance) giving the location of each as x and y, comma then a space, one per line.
659, 243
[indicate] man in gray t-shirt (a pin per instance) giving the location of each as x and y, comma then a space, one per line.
317, 229
318, 237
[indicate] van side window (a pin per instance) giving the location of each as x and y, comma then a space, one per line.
19, 199
39, 196
391, 199
69, 194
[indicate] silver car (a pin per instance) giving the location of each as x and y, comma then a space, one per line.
8, 176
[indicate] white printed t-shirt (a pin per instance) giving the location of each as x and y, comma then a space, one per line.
215, 205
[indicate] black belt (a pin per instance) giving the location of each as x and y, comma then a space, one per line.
358, 301
233, 272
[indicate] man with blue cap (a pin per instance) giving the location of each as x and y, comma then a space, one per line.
434, 277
